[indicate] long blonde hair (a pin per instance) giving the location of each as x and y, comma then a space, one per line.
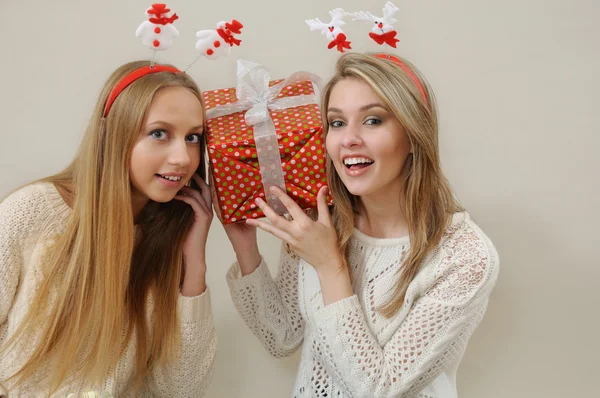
429, 201
100, 275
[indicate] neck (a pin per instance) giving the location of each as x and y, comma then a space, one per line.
138, 202
382, 215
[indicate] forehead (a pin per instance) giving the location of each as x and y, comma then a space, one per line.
175, 102
352, 93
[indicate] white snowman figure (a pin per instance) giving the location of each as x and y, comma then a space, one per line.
332, 30
158, 31
382, 30
216, 43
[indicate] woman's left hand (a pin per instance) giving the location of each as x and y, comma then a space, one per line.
315, 241
194, 247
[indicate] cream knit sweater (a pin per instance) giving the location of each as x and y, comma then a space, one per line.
350, 349
29, 220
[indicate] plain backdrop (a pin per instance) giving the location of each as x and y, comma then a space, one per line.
517, 87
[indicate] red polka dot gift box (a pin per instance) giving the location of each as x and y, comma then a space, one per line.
260, 134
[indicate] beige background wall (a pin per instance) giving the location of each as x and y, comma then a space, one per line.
517, 84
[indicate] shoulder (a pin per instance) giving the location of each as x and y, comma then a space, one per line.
468, 243
30, 206
468, 262
24, 201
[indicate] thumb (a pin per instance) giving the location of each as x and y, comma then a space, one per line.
324, 216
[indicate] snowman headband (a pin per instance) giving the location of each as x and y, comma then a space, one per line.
382, 32
157, 33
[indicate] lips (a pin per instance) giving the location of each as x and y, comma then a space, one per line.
175, 178
171, 180
354, 162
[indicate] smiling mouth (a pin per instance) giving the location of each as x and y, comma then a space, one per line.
357, 163
170, 178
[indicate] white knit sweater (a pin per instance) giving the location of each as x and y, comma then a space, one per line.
29, 221
351, 350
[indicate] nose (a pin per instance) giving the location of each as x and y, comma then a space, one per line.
380, 25
178, 153
351, 137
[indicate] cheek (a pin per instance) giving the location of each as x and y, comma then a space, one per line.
331, 144
395, 159
396, 146
142, 157
195, 158
331, 149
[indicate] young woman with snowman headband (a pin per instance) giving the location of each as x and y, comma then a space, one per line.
384, 290
102, 265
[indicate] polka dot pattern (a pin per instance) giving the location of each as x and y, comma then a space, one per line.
234, 162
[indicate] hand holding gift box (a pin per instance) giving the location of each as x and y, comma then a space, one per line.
264, 133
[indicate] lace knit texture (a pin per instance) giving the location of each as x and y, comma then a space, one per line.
350, 349
29, 220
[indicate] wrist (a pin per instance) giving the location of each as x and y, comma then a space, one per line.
195, 262
335, 285
246, 249
333, 270
194, 283
249, 261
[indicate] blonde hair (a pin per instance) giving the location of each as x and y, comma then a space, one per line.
100, 275
429, 201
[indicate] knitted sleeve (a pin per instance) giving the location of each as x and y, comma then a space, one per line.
433, 333
190, 374
270, 307
18, 216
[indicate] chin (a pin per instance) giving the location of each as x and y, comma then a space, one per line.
358, 190
161, 198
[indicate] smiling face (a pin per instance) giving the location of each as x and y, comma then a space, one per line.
167, 151
366, 143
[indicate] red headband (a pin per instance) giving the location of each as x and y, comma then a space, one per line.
408, 71
130, 78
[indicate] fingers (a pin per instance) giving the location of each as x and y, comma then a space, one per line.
324, 215
276, 220
192, 193
293, 208
204, 189
272, 229
193, 202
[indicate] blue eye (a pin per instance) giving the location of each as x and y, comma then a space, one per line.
194, 138
158, 134
372, 121
336, 124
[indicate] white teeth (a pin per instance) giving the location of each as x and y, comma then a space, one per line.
170, 178
351, 161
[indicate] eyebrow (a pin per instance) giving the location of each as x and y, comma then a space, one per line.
362, 108
171, 126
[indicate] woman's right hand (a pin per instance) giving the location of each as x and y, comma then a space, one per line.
245, 244
242, 238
